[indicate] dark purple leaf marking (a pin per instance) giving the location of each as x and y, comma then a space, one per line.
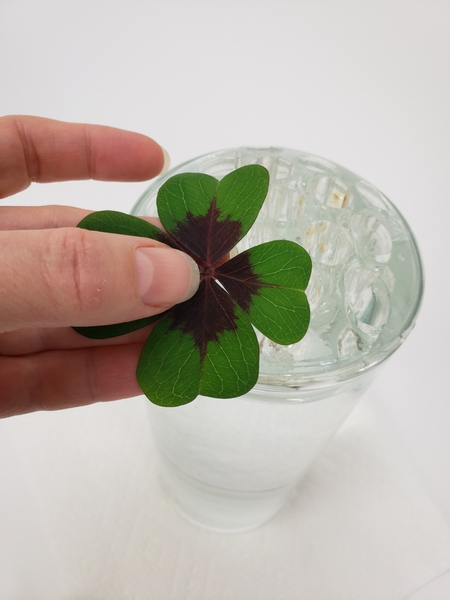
206, 316
239, 279
208, 237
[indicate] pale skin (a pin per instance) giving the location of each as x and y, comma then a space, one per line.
54, 275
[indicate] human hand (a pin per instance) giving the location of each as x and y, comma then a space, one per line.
54, 275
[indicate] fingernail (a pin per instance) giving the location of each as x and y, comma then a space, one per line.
165, 276
166, 165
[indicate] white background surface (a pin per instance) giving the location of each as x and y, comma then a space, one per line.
364, 84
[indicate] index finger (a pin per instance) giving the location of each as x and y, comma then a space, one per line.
44, 150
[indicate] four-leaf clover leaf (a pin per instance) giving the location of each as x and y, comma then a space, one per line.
207, 345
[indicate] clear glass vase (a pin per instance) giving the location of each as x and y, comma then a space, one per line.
230, 463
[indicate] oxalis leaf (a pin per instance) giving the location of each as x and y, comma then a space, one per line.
207, 345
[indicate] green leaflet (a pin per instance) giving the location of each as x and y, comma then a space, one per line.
280, 309
241, 194
171, 371
208, 217
187, 193
169, 366
231, 365
111, 221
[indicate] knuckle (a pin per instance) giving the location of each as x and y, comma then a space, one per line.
72, 268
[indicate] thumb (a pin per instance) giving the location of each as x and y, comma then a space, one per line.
75, 277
